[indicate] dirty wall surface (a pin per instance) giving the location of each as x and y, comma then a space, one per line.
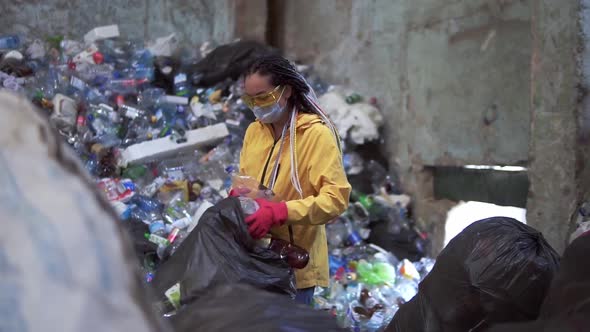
193, 21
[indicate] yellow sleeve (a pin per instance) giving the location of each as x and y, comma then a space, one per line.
327, 177
242, 151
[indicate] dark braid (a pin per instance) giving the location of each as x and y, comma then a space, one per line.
282, 72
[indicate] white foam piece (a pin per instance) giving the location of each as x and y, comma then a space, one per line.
165, 147
104, 32
164, 46
175, 100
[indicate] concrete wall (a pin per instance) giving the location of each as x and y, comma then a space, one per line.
453, 78
436, 66
193, 21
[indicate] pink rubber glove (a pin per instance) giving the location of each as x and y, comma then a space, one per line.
269, 215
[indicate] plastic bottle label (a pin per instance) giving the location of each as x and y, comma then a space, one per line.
175, 175
354, 238
77, 83
158, 240
156, 226
173, 295
180, 78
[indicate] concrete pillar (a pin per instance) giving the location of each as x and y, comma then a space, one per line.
553, 192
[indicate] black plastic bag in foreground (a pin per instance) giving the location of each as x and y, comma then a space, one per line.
220, 251
496, 270
246, 309
567, 305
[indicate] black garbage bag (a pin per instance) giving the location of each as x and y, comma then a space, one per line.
165, 70
220, 251
227, 61
244, 308
135, 230
496, 270
393, 230
567, 305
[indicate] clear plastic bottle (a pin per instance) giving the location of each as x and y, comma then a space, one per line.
337, 233
180, 237
249, 206
150, 97
138, 130
354, 237
125, 85
177, 213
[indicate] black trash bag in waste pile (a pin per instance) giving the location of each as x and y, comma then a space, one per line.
247, 309
496, 270
143, 247
65, 263
228, 61
400, 238
567, 305
220, 251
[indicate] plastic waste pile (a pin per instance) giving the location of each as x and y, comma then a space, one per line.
163, 149
369, 283
158, 147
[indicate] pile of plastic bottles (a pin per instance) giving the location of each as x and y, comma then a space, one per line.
110, 93
107, 94
368, 285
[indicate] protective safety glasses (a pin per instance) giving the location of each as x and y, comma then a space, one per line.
263, 99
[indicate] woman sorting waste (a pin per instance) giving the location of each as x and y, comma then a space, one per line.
294, 149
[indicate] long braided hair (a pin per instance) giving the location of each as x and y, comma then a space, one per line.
302, 99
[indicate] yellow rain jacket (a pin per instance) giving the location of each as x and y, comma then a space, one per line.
325, 188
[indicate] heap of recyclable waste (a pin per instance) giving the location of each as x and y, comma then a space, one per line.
160, 127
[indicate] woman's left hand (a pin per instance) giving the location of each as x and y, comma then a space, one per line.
270, 214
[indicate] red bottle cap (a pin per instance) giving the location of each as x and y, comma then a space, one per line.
98, 58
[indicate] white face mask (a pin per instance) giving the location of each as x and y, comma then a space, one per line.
270, 114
